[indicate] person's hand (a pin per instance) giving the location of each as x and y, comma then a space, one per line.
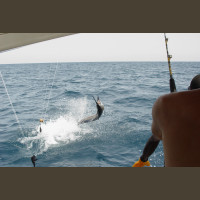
139, 163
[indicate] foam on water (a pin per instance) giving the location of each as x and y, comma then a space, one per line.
59, 131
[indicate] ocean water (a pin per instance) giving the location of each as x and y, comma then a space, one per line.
61, 94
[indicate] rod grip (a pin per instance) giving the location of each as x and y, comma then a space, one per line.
172, 85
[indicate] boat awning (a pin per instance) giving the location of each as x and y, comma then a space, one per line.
13, 40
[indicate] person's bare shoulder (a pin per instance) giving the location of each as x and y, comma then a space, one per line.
159, 106
163, 110
158, 111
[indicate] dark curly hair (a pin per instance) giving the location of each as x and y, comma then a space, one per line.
195, 83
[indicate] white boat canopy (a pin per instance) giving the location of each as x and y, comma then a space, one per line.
13, 40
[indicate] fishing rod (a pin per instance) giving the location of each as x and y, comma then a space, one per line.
152, 144
171, 80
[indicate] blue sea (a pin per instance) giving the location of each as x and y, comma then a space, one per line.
61, 94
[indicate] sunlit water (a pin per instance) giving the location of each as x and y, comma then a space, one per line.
127, 90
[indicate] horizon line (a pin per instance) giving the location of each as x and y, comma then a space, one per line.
90, 62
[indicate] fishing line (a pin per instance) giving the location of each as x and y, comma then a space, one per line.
13, 109
46, 91
48, 99
46, 83
45, 104
50, 91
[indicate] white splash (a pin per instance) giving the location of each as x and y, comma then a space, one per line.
60, 131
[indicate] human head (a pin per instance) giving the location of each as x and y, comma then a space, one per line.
195, 83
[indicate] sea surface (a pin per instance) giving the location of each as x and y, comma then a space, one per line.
61, 94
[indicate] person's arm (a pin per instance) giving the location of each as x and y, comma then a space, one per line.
154, 140
149, 148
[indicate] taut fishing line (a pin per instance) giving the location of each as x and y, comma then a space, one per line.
13, 109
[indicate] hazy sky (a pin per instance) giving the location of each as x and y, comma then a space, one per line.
99, 47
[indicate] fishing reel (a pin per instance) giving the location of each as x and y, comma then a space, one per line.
169, 57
